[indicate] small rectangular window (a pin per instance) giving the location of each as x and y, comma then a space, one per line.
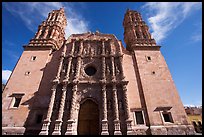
139, 117
27, 73
148, 58
17, 102
167, 117
33, 58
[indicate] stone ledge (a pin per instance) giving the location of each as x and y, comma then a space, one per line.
13, 130
140, 130
172, 130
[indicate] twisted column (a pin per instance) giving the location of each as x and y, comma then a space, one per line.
103, 61
71, 129
78, 61
71, 123
113, 68
116, 120
126, 102
112, 62
60, 65
104, 121
128, 120
104, 116
69, 63
58, 122
121, 67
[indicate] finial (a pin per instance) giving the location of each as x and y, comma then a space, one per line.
128, 10
97, 32
62, 8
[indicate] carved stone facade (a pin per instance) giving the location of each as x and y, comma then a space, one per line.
91, 84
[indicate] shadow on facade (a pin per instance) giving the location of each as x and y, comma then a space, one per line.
141, 93
38, 104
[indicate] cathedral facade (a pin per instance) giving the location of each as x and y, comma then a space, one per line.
90, 84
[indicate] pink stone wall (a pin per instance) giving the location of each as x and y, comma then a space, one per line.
23, 84
159, 88
132, 87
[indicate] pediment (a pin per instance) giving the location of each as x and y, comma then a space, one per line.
92, 36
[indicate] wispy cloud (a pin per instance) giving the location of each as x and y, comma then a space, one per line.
33, 13
5, 75
166, 16
197, 35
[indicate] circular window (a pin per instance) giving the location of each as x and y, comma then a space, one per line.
90, 71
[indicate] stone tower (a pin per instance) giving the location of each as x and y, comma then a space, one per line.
163, 110
18, 99
91, 84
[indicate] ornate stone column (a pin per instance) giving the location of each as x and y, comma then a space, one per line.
78, 65
116, 120
56, 34
146, 31
46, 32
46, 122
140, 31
58, 122
104, 116
60, 65
71, 123
126, 106
69, 63
112, 63
53, 15
133, 24
103, 61
49, 16
39, 32
121, 67
104, 121
53, 31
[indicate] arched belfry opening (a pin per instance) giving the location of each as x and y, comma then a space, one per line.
88, 119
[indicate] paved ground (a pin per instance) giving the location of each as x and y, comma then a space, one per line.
198, 134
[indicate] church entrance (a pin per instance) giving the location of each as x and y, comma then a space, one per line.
88, 121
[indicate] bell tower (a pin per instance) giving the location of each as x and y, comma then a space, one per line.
155, 84
136, 31
30, 71
51, 32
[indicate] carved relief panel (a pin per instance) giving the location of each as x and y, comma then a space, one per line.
90, 70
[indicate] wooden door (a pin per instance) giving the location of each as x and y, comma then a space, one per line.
88, 122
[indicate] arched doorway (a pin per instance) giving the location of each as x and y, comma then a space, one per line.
88, 120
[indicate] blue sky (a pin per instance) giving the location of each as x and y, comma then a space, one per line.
177, 27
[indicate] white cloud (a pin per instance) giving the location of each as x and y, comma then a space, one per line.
166, 16
197, 35
33, 13
5, 75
